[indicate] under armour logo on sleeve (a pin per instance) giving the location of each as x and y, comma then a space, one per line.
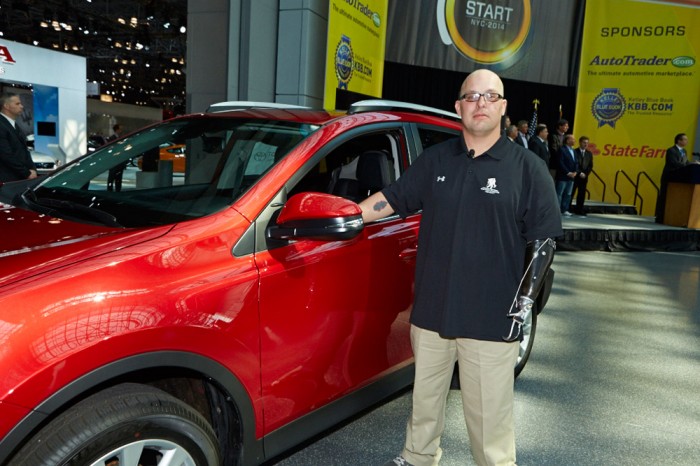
440, 178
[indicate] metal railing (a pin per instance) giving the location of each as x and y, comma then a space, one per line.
601, 182
635, 185
636, 190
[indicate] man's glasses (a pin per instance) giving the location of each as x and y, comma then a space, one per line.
475, 96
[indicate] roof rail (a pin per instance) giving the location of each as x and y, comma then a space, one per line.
246, 105
379, 105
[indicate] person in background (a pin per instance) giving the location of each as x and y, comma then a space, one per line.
15, 159
506, 124
584, 158
538, 143
116, 173
523, 127
567, 168
116, 132
512, 133
676, 157
556, 141
488, 207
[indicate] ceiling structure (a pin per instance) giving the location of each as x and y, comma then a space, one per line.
135, 49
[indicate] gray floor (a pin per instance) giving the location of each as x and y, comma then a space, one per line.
614, 378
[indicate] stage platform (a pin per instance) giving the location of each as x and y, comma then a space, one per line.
614, 227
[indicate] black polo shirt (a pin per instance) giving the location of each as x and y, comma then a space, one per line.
478, 215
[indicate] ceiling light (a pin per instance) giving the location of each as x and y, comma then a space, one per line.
121, 20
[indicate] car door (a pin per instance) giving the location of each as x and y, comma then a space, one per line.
334, 314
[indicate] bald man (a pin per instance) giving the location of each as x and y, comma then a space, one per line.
488, 207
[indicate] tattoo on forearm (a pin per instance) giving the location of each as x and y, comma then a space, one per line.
379, 206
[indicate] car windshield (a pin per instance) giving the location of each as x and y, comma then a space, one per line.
178, 170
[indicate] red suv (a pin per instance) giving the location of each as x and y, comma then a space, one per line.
215, 316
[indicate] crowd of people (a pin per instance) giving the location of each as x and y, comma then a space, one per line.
568, 165
571, 166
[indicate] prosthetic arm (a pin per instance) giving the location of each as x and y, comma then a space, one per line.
538, 257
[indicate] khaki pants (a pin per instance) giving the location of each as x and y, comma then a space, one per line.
486, 379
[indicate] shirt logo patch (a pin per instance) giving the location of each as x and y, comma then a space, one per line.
440, 178
490, 187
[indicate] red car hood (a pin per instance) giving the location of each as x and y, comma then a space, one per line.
32, 243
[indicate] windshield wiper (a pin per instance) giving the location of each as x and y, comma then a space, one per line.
60, 208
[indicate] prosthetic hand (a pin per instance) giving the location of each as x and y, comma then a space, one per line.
538, 257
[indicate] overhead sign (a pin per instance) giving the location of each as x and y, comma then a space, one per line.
520, 39
484, 32
24, 63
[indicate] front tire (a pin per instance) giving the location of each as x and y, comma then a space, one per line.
125, 425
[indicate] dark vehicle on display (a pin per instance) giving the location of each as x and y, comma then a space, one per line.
216, 316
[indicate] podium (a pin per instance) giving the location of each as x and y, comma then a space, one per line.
682, 207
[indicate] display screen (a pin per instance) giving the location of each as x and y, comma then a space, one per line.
46, 128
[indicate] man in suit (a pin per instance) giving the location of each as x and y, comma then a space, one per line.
538, 143
506, 124
584, 158
556, 141
675, 158
521, 138
512, 133
15, 160
567, 167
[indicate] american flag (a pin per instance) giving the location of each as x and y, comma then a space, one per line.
533, 121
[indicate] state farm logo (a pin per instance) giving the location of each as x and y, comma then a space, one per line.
487, 32
6, 56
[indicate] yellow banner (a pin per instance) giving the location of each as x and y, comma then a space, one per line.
355, 49
638, 87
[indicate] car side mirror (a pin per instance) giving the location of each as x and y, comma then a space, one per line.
317, 216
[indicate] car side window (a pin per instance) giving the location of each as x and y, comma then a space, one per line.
355, 169
430, 135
